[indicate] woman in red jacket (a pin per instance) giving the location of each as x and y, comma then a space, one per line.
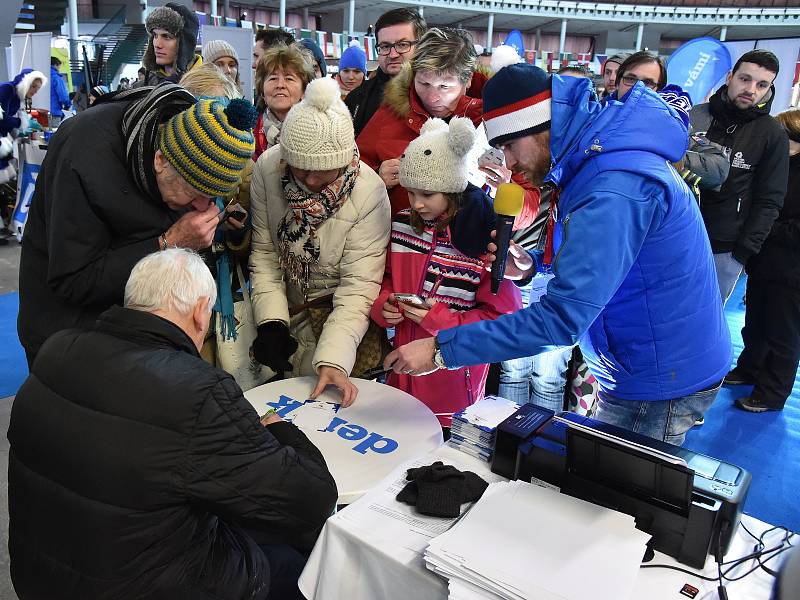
433, 83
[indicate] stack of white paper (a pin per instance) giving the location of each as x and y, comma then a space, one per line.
521, 541
473, 428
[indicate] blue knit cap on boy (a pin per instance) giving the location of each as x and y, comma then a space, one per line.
354, 57
436, 160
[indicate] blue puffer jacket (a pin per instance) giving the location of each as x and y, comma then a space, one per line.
634, 280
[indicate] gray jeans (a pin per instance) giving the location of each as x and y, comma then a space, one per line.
728, 271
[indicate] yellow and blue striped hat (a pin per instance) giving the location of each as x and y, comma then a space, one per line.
209, 144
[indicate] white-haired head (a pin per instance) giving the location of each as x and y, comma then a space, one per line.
171, 281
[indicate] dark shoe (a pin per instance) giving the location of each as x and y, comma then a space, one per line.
735, 377
754, 405
699, 422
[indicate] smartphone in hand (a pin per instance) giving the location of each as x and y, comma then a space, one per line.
412, 299
492, 156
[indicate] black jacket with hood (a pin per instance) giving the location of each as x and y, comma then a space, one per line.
366, 99
187, 59
739, 216
779, 259
137, 470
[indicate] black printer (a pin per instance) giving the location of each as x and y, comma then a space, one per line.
689, 503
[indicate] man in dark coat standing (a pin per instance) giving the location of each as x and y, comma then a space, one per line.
739, 215
396, 34
121, 181
137, 470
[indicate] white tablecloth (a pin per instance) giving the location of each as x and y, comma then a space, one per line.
362, 444
359, 562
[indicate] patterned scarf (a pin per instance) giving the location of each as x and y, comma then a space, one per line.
297, 231
149, 108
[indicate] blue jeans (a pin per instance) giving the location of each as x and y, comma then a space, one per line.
537, 379
666, 420
728, 271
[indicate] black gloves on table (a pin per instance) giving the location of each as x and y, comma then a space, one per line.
274, 345
439, 490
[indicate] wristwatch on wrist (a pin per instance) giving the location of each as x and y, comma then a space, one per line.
438, 360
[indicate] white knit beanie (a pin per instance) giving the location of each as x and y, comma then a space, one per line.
317, 134
437, 160
216, 49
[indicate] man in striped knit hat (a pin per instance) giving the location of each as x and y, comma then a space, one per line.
136, 174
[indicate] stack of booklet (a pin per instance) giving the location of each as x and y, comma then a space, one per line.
473, 428
522, 541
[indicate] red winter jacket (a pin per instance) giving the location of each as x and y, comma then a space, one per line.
442, 268
398, 122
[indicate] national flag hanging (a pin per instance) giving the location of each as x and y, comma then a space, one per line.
337, 45
369, 47
322, 42
306, 34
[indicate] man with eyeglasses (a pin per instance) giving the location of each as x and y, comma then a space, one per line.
740, 214
705, 164
396, 34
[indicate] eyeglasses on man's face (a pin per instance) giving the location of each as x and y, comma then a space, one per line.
631, 81
400, 47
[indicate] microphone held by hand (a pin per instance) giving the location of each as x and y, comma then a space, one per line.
507, 205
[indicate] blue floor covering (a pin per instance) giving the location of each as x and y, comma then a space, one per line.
767, 444
13, 367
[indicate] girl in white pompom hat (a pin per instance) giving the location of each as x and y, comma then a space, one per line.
436, 253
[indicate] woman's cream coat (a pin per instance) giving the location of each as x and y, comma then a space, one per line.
352, 259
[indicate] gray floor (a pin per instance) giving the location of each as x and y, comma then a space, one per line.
9, 274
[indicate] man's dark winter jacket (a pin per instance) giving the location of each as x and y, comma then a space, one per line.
738, 217
779, 259
135, 468
88, 225
365, 100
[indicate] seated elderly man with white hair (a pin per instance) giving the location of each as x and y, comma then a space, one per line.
137, 470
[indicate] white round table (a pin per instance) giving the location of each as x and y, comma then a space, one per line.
363, 443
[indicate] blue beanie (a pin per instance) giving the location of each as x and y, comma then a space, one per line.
516, 103
354, 57
675, 97
317, 52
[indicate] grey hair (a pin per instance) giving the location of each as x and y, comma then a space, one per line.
207, 80
445, 51
172, 280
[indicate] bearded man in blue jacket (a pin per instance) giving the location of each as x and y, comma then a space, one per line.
633, 275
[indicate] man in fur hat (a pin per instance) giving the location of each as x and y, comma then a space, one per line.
170, 50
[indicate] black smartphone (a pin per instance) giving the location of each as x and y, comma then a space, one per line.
375, 372
238, 215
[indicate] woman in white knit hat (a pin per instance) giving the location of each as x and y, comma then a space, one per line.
320, 228
224, 56
436, 253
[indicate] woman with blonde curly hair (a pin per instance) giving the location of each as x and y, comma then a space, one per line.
282, 74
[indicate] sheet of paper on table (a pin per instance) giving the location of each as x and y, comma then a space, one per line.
543, 534
379, 512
